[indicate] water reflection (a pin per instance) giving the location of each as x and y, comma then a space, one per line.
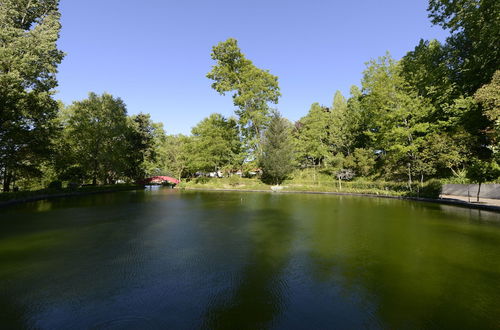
165, 259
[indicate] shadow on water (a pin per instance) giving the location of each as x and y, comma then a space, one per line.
56, 257
418, 266
257, 296
12, 314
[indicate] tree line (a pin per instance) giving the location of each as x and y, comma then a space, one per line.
435, 113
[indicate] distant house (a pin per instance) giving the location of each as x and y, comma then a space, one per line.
218, 174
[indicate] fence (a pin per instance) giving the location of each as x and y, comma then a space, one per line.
487, 190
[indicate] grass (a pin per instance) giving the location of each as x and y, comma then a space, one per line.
233, 182
323, 183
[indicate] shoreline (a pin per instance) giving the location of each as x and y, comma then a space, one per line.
47, 196
446, 201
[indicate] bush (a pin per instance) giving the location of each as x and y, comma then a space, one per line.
73, 186
202, 179
234, 180
431, 189
55, 185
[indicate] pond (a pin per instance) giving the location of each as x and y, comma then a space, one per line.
222, 260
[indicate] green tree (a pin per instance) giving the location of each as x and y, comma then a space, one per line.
489, 97
29, 57
442, 153
341, 129
278, 152
253, 90
356, 120
96, 132
144, 138
427, 72
175, 156
216, 144
398, 124
361, 160
311, 136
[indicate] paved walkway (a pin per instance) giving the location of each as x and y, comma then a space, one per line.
473, 199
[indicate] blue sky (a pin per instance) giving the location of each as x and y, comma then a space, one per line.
154, 54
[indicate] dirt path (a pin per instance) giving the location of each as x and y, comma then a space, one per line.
473, 199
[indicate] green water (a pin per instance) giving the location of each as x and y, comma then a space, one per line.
187, 260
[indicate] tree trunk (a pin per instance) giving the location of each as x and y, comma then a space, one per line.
409, 176
7, 177
340, 184
478, 191
94, 179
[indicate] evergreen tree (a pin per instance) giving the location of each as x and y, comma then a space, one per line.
144, 138
278, 152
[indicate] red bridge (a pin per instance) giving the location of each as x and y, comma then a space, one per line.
160, 180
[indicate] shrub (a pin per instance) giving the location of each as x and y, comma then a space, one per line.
73, 186
234, 180
55, 185
431, 189
202, 179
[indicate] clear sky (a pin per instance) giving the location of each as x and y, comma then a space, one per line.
154, 54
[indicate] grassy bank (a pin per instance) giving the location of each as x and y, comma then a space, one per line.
26, 196
431, 189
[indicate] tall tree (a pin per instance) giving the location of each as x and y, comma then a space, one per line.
345, 122
356, 119
277, 152
253, 90
398, 116
428, 70
29, 57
